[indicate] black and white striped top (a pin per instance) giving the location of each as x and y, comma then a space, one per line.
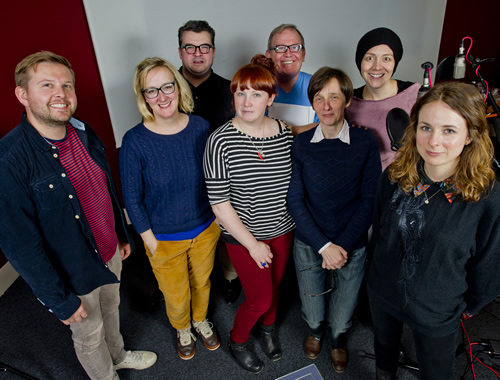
257, 188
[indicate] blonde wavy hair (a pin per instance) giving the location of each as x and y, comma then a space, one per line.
474, 172
186, 103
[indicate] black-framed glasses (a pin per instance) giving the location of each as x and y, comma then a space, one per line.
331, 281
295, 48
152, 92
191, 49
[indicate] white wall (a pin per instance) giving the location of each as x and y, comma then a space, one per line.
125, 32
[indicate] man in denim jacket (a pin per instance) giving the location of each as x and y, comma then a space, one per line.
61, 225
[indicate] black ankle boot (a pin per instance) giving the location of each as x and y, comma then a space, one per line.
245, 357
270, 343
382, 374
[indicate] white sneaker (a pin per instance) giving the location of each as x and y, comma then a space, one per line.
137, 360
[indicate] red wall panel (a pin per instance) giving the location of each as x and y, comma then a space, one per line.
478, 20
60, 26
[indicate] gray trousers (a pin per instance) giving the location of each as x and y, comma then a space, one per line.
97, 339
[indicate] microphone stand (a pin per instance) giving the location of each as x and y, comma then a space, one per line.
475, 62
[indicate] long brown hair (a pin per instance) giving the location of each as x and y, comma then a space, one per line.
474, 170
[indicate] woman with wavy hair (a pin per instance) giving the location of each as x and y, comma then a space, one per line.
436, 231
161, 167
248, 167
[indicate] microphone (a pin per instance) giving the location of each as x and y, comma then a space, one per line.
459, 66
426, 83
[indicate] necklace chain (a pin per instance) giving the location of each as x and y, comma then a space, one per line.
428, 199
260, 152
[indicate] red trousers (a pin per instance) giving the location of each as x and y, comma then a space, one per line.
261, 286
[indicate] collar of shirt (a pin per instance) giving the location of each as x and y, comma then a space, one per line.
447, 186
342, 136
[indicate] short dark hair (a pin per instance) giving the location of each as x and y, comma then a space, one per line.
196, 26
323, 76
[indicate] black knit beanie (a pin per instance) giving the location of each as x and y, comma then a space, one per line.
379, 36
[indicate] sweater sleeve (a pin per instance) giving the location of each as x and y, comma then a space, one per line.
133, 183
482, 269
296, 201
362, 217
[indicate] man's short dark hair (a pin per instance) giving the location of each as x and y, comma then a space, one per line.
196, 26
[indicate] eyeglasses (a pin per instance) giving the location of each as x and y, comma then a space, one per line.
191, 49
152, 92
295, 48
331, 281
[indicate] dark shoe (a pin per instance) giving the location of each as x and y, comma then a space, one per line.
339, 359
245, 357
205, 330
312, 346
270, 343
232, 290
382, 374
185, 343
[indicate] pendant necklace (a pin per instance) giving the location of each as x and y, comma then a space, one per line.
260, 152
427, 200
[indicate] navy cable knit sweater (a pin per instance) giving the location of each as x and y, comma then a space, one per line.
332, 191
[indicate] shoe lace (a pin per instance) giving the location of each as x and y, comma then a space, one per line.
133, 357
204, 328
185, 336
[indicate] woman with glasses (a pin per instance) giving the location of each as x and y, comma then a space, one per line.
247, 169
161, 167
436, 232
377, 56
331, 198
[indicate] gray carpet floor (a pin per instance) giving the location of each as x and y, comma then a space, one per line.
34, 341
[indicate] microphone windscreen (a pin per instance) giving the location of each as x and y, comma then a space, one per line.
396, 122
445, 68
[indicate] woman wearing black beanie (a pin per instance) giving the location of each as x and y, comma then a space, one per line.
377, 56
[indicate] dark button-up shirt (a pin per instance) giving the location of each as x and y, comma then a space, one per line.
43, 230
213, 100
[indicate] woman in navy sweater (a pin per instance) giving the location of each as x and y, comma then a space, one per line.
332, 192
436, 232
161, 164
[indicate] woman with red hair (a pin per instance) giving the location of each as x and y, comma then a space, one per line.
248, 167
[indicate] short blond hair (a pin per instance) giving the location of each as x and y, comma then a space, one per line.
22, 73
186, 103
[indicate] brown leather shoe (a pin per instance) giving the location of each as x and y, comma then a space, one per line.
312, 347
185, 343
339, 359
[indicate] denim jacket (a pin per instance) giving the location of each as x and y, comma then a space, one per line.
43, 231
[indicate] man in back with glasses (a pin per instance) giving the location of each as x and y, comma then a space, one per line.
286, 47
211, 93
213, 101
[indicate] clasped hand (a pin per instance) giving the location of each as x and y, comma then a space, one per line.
261, 253
334, 257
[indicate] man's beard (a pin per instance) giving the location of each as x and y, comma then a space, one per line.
52, 119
